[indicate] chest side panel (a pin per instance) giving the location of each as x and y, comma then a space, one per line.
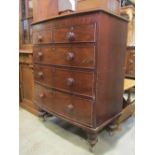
110, 67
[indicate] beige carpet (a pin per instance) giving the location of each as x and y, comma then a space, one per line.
56, 137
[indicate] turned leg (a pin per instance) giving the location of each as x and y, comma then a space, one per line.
92, 140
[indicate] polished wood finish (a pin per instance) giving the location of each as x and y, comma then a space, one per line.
76, 33
74, 81
92, 89
76, 56
109, 5
69, 106
65, 34
43, 9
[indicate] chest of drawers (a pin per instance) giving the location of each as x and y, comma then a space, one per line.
78, 68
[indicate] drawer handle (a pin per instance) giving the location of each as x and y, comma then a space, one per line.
40, 38
40, 74
71, 36
131, 61
42, 95
70, 81
70, 56
69, 108
40, 54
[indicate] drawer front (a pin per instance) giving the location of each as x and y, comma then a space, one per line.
69, 106
66, 56
67, 80
42, 37
75, 33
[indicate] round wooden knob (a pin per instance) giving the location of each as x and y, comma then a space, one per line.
40, 74
131, 61
42, 95
40, 38
71, 36
70, 81
70, 56
70, 108
40, 54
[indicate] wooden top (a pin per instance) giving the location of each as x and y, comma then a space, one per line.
81, 12
128, 83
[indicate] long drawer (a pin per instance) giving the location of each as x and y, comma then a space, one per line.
69, 106
81, 82
74, 56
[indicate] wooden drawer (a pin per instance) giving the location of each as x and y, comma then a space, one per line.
66, 56
67, 80
69, 106
74, 33
42, 37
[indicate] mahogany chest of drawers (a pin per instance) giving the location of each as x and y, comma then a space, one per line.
78, 68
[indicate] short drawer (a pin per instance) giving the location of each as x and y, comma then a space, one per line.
74, 56
42, 37
71, 107
74, 81
75, 33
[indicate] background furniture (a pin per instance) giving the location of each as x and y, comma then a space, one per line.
109, 5
43, 9
27, 82
128, 106
129, 13
130, 62
25, 56
78, 68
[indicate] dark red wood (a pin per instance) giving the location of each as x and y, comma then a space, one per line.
75, 56
83, 82
71, 107
84, 58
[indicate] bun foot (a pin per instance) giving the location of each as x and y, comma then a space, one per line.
92, 140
